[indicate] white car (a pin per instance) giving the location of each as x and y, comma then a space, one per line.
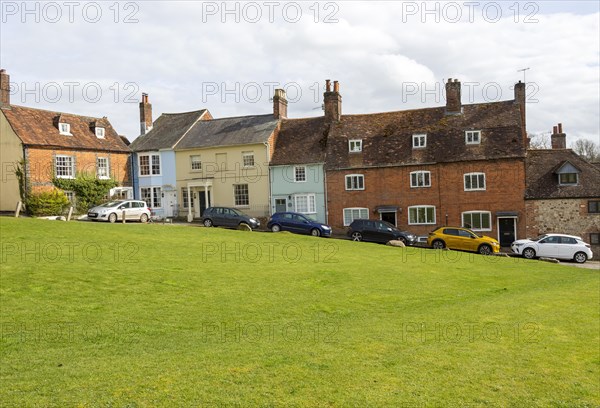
112, 211
558, 246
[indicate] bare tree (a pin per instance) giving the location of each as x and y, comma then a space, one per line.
587, 149
540, 141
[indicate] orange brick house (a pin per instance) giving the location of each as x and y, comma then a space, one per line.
419, 169
56, 144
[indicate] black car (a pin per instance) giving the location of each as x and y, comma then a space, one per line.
378, 231
228, 217
298, 223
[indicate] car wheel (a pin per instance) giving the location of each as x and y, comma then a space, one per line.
244, 227
144, 218
529, 253
315, 232
112, 218
208, 223
580, 257
485, 250
438, 244
275, 228
356, 236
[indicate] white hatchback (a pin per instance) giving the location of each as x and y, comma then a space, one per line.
112, 211
558, 246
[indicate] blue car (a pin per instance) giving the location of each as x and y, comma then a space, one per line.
298, 223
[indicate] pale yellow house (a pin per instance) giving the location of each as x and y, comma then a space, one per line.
11, 153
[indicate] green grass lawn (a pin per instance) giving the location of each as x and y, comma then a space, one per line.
164, 315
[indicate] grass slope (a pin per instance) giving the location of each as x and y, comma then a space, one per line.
159, 315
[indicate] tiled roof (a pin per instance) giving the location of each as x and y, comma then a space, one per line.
37, 127
167, 130
542, 181
301, 141
387, 137
229, 132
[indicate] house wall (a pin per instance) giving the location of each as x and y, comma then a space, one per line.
283, 186
11, 152
167, 180
224, 178
505, 186
563, 215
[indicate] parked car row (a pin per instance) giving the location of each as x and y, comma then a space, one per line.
112, 211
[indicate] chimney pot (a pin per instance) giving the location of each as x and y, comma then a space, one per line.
327, 85
332, 101
555, 130
560, 128
336, 86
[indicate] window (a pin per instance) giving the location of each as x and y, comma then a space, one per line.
594, 207
248, 159
473, 137
567, 178
355, 182
595, 238
420, 179
351, 214
64, 167
64, 129
185, 199
477, 220
474, 181
195, 163
305, 203
355, 146
421, 214
300, 174
71, 197
100, 132
240, 195
149, 164
152, 196
102, 167
419, 141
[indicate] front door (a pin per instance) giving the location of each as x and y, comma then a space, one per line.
389, 217
169, 203
507, 231
280, 204
203, 204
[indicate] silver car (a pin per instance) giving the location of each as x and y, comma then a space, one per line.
112, 211
558, 246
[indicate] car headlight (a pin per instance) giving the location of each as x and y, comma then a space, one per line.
518, 245
495, 244
325, 227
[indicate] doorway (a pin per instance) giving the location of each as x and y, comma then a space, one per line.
507, 230
203, 204
280, 205
169, 203
389, 216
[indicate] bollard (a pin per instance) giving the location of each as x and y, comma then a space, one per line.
70, 213
123, 216
18, 210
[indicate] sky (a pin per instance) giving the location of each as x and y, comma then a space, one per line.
96, 58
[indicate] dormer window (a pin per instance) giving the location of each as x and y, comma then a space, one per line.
419, 141
567, 179
568, 175
100, 132
355, 146
64, 129
473, 137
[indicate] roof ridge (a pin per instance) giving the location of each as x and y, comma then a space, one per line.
56, 112
184, 113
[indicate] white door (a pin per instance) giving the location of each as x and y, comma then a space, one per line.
169, 203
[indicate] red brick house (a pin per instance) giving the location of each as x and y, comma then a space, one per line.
419, 169
563, 193
55, 144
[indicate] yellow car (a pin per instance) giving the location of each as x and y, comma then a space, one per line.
463, 239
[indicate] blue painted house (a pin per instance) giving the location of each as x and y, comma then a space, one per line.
296, 170
153, 162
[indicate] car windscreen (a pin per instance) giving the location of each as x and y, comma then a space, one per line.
111, 204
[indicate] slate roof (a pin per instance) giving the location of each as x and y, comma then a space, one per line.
542, 181
301, 141
387, 137
38, 127
241, 130
167, 130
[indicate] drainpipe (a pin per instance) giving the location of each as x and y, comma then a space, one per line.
325, 195
268, 176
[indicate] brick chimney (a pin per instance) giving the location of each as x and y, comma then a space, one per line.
520, 100
453, 101
145, 115
558, 138
4, 89
333, 101
279, 104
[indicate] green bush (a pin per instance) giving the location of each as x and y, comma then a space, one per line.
46, 203
89, 191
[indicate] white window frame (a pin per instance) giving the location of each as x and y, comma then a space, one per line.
472, 134
235, 202
419, 140
67, 129
193, 162
155, 196
360, 211
151, 157
70, 165
355, 145
184, 202
421, 207
107, 175
356, 177
296, 179
420, 176
100, 132
71, 197
244, 156
471, 213
476, 174
311, 203
568, 184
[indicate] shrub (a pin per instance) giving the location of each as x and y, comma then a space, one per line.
46, 203
89, 191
